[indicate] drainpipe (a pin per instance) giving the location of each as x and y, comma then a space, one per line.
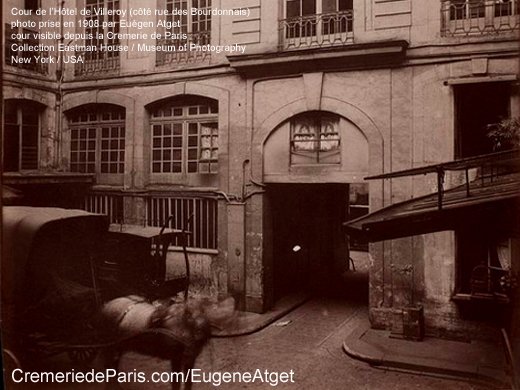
59, 95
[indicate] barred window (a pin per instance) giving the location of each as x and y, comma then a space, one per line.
323, 18
179, 30
97, 140
465, 9
103, 30
185, 136
23, 59
196, 215
96, 29
315, 139
197, 25
479, 17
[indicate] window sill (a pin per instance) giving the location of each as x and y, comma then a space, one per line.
481, 297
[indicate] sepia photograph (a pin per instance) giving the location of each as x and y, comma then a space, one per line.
257, 194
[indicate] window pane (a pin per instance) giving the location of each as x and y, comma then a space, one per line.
328, 6
177, 141
345, 5
308, 7
293, 8
192, 167
193, 128
177, 129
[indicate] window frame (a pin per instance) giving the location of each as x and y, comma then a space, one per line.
184, 122
317, 23
21, 106
315, 121
487, 261
189, 32
98, 127
33, 65
479, 17
99, 61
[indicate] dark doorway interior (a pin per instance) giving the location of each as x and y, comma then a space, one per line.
479, 105
309, 217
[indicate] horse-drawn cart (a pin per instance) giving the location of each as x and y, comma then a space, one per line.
58, 269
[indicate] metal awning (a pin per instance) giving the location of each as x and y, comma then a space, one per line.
488, 196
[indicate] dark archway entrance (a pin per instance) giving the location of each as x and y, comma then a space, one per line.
310, 250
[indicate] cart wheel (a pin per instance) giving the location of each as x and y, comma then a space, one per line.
82, 355
11, 363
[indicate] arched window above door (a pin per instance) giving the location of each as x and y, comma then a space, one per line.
315, 138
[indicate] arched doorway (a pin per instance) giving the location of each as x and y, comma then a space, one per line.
313, 164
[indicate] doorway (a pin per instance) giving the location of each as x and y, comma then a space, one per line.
310, 250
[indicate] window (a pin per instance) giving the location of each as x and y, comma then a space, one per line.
315, 139
21, 136
477, 106
180, 30
185, 136
97, 140
484, 261
320, 22
23, 59
472, 17
100, 60
462, 9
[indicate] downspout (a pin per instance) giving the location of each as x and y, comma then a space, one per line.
59, 96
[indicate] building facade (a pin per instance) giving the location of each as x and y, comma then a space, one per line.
263, 151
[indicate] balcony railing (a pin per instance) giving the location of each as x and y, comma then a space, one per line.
177, 51
198, 214
96, 62
26, 59
313, 31
479, 17
109, 204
